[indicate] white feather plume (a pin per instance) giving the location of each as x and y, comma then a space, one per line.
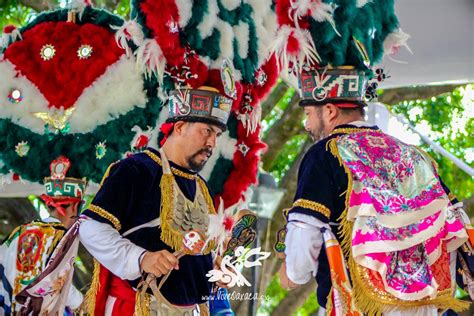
151, 60
251, 121
394, 41
307, 50
216, 230
130, 30
8, 38
79, 6
361, 3
317, 9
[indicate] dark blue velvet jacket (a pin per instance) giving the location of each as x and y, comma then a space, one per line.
130, 195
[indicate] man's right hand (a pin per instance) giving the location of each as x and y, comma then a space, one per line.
159, 263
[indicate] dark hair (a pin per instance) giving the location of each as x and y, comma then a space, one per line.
349, 111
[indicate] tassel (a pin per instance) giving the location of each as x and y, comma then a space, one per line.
151, 60
295, 48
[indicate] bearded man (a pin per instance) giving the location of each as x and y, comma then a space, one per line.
147, 204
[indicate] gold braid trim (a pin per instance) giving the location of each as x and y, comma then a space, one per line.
106, 174
373, 301
89, 299
12, 235
207, 196
367, 299
88, 305
103, 213
350, 130
314, 206
175, 171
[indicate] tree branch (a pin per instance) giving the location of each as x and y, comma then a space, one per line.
287, 126
277, 93
398, 95
39, 5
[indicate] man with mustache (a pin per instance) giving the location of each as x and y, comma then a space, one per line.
371, 220
147, 205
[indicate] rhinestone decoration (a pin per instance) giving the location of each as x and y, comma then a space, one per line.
100, 150
47, 52
22, 148
15, 96
84, 51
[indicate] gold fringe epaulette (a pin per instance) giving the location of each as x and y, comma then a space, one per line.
169, 235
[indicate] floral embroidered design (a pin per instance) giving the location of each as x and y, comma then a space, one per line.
396, 202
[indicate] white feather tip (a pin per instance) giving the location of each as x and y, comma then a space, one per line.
151, 60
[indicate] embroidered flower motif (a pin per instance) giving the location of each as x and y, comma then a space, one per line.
376, 141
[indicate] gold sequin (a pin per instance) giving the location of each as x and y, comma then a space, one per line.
103, 213
175, 171
314, 206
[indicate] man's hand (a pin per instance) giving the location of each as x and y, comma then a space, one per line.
159, 263
284, 280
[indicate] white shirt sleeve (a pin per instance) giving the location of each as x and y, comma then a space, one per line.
119, 255
304, 241
74, 298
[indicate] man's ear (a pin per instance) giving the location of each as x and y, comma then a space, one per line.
179, 127
332, 111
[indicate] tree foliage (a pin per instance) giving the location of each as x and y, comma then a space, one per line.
449, 121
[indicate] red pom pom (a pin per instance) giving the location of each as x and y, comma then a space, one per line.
16, 177
293, 45
141, 142
228, 223
9, 29
166, 129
